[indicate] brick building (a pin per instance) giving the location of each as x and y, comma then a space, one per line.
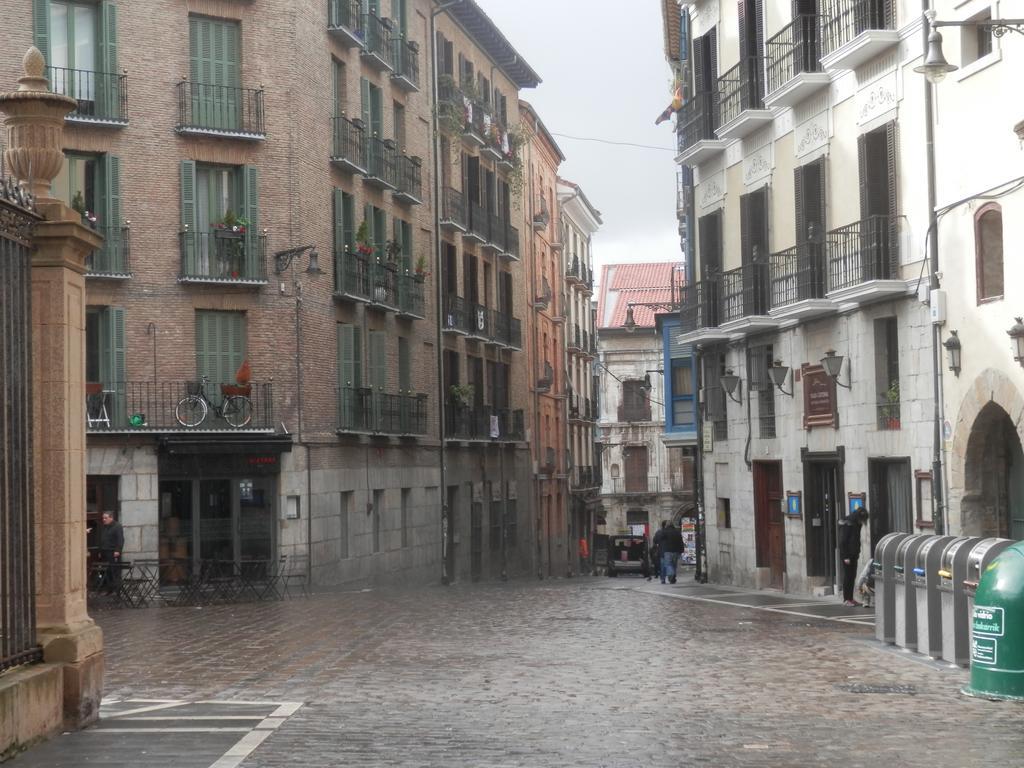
264, 176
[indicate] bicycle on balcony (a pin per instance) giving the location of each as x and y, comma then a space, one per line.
235, 407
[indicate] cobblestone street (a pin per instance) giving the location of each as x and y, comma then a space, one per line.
582, 672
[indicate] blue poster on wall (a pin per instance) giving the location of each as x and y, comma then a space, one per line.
793, 503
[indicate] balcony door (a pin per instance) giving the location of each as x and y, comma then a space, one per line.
214, 53
879, 251
809, 187
754, 252
74, 49
220, 348
751, 37
635, 462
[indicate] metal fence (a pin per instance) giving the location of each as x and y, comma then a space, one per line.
363, 410
206, 108
349, 142
860, 252
101, 96
163, 406
793, 51
843, 20
113, 258
17, 545
467, 422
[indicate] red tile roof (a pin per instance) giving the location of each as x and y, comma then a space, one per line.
623, 284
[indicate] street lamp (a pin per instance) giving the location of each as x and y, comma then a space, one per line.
935, 67
731, 383
1016, 334
952, 345
778, 373
833, 365
283, 260
663, 306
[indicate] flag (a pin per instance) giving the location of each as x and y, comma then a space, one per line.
675, 106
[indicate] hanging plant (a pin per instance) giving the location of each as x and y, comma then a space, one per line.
363, 245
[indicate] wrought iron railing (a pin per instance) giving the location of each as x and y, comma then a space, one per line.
223, 256
153, 406
586, 477
797, 274
101, 96
454, 314
453, 208
477, 320
635, 484
407, 60
410, 295
381, 160
745, 292
512, 241
888, 415
701, 306
349, 140
467, 422
345, 14
862, 251
352, 275
220, 109
843, 20
378, 38
113, 258
698, 119
794, 50
365, 410
546, 379
741, 88
409, 177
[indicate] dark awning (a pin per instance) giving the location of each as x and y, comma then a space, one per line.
220, 444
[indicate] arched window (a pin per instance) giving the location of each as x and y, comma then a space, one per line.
988, 239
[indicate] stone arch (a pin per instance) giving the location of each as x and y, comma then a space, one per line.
987, 441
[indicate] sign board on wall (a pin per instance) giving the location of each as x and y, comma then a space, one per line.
819, 397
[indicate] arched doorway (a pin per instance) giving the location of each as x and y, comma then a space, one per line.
993, 499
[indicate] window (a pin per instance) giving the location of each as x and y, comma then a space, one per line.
715, 405
759, 359
105, 357
723, 513
635, 460
339, 79
376, 225
887, 373
92, 183
79, 41
511, 521
220, 221
399, 16
878, 258
372, 103
406, 495
378, 364
402, 236
681, 384
398, 111
344, 214
976, 42
635, 405
220, 346
682, 463
404, 367
350, 376
988, 239
214, 57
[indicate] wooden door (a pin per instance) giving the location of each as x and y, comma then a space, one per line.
768, 520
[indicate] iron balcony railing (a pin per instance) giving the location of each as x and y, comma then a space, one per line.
220, 109
794, 50
113, 258
223, 256
700, 305
452, 104
888, 414
745, 292
364, 410
410, 296
477, 320
507, 329
478, 221
453, 208
102, 96
575, 339
843, 20
797, 274
635, 484
407, 61
586, 477
349, 141
152, 406
378, 38
741, 88
698, 119
454, 314
546, 380
409, 177
862, 251
550, 465
572, 270
345, 14
352, 275
382, 161
468, 422
475, 125
497, 232
512, 238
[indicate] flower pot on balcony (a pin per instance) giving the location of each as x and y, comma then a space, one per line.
236, 390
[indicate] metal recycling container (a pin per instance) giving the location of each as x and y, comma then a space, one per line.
982, 553
885, 576
997, 628
903, 594
956, 626
925, 578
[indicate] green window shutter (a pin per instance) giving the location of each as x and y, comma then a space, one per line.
338, 210
404, 367
364, 101
379, 226
110, 212
41, 26
376, 111
348, 215
249, 200
368, 218
407, 248
107, 89
220, 347
345, 373
112, 360
189, 231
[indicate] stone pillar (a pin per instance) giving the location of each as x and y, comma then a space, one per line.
34, 154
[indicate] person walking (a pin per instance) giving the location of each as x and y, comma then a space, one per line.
671, 548
111, 546
849, 550
656, 551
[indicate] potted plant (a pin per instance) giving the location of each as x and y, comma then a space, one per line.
392, 250
891, 408
462, 394
420, 269
363, 245
230, 226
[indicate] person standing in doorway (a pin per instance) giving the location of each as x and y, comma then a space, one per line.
671, 548
111, 546
849, 550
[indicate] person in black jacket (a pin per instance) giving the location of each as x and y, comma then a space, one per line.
849, 550
111, 546
671, 548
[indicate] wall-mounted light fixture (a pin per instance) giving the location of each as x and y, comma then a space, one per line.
1016, 334
952, 345
935, 67
833, 365
778, 373
283, 260
732, 385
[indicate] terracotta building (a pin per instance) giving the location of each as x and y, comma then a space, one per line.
264, 340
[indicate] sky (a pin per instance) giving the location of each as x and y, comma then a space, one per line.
604, 75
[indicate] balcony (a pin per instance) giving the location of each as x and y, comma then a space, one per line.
491, 326
573, 276
409, 179
379, 49
349, 147
696, 123
152, 406
794, 68
699, 316
626, 486
574, 340
483, 423
798, 282
365, 279
112, 259
746, 294
220, 110
453, 210
381, 163
495, 233
586, 478
102, 96
478, 225
855, 31
410, 297
363, 411
546, 380
345, 22
223, 257
863, 260
543, 299
511, 243
549, 464
407, 65
741, 90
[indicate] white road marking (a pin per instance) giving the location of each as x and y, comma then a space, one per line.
245, 747
773, 609
151, 708
167, 730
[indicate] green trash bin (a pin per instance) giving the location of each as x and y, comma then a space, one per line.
997, 629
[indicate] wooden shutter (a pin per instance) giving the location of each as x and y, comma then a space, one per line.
41, 26
699, 73
338, 211
220, 346
190, 235
404, 367
892, 167
864, 170
250, 210
112, 359
364, 102
798, 199
337, 84
745, 41
110, 207
107, 90
348, 216
347, 357
377, 373
746, 228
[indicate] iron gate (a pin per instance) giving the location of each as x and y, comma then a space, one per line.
17, 586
